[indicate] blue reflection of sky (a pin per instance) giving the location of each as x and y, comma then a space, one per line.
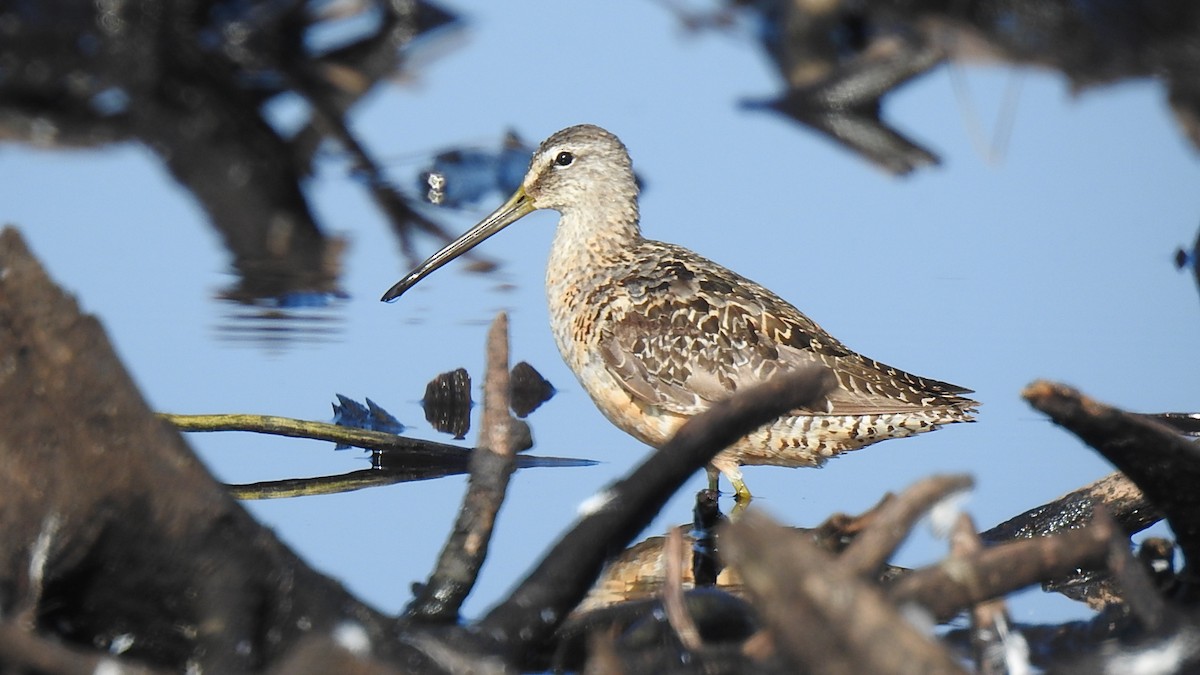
1053, 262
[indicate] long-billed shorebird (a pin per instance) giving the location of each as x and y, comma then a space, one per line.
656, 333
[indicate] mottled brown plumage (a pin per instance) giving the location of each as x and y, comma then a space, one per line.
656, 333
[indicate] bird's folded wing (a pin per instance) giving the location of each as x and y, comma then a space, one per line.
683, 351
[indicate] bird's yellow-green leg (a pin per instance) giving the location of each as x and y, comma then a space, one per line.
741, 493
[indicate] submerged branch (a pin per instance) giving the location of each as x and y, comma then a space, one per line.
318, 431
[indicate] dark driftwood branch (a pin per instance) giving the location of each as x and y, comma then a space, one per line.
362, 479
1118, 495
1135, 585
614, 516
491, 466
1162, 463
322, 655
894, 519
823, 616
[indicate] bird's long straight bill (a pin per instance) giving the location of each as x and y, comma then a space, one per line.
517, 207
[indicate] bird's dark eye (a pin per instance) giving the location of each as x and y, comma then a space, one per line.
564, 159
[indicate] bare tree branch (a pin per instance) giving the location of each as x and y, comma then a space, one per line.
946, 590
492, 463
894, 519
823, 616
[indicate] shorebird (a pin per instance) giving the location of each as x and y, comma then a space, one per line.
656, 333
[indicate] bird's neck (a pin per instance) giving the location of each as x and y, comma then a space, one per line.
585, 258
584, 253
597, 234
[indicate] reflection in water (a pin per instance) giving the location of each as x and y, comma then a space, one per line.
281, 327
388, 469
448, 403
840, 58
215, 134
462, 177
1185, 259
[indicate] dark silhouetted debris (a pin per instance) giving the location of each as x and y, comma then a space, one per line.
838, 60
642, 639
448, 403
529, 389
845, 105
